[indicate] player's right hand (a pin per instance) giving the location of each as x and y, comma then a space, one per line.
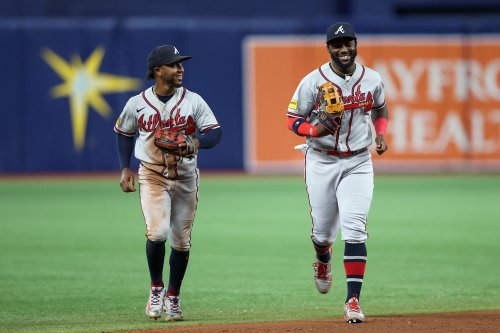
127, 180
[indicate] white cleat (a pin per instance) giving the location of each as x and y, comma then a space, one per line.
154, 308
172, 307
323, 276
352, 312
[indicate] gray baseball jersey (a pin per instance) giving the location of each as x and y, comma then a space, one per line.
340, 188
363, 92
185, 112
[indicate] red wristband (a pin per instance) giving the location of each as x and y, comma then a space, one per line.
307, 129
380, 125
303, 129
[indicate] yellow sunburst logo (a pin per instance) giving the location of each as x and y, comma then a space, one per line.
84, 86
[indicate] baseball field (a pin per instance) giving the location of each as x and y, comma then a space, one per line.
72, 256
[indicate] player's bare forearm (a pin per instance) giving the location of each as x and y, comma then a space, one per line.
127, 180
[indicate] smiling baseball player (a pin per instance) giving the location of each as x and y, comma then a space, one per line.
171, 124
333, 108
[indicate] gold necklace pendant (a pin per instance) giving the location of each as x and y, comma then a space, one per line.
345, 76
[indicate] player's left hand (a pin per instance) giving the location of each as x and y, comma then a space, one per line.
189, 147
381, 145
127, 180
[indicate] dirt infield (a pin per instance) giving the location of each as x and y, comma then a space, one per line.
486, 321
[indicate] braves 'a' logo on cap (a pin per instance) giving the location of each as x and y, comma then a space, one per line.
175, 50
340, 29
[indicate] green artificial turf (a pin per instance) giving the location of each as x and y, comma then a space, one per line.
72, 252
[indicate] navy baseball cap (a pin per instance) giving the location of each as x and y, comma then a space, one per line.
340, 30
165, 55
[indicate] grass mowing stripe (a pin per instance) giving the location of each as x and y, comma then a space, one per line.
72, 252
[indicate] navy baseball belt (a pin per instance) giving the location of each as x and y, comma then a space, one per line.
341, 154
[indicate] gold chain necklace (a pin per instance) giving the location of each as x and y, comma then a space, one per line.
346, 77
159, 101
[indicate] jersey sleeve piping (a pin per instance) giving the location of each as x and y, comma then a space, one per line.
379, 107
294, 115
117, 130
149, 103
205, 130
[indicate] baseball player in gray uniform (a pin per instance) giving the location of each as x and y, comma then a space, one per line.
338, 167
168, 183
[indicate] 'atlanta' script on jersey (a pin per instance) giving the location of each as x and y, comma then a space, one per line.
176, 123
358, 100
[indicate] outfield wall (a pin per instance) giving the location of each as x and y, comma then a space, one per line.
442, 92
442, 85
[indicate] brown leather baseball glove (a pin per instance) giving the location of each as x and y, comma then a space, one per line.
175, 143
330, 107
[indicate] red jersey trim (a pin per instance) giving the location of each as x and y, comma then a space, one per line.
359, 80
149, 103
379, 107
172, 110
353, 107
324, 77
179, 102
349, 133
117, 130
294, 115
209, 128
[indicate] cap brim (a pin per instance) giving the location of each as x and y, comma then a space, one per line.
179, 59
341, 37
